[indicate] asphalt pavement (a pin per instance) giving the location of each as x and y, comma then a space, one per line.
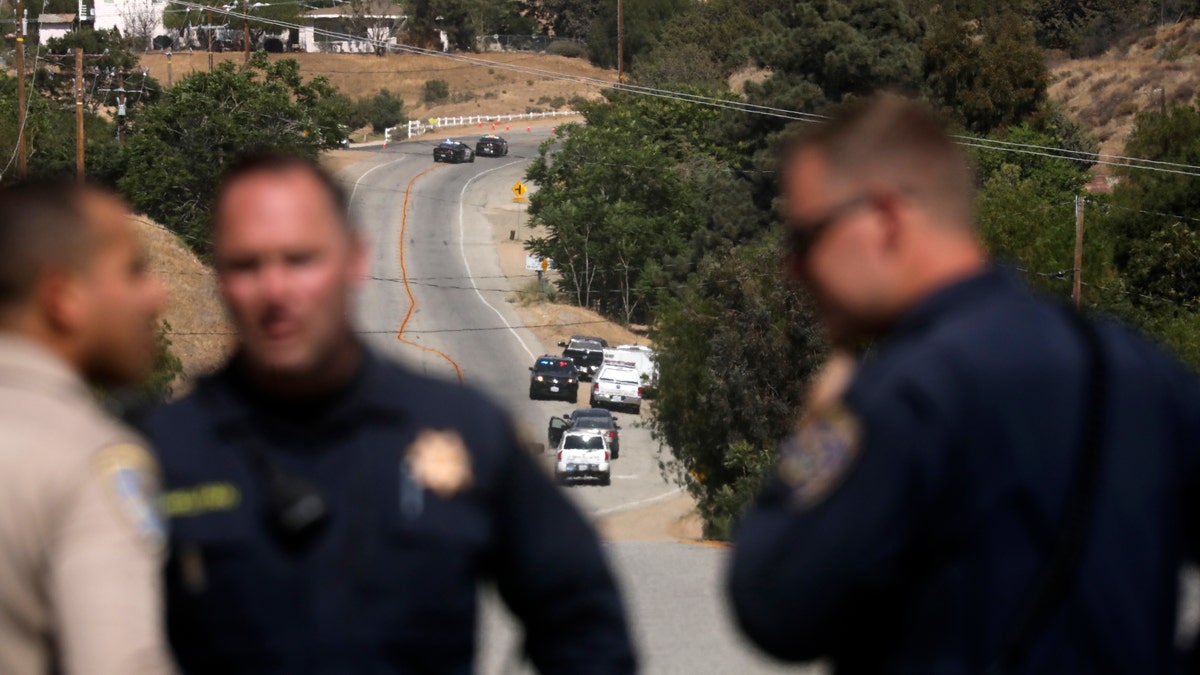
437, 300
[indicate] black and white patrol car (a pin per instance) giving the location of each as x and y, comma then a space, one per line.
453, 152
553, 377
491, 146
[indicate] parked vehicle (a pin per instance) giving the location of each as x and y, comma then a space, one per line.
587, 352
553, 377
491, 145
453, 152
638, 357
618, 386
597, 419
582, 454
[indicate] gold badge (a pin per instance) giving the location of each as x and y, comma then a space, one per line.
131, 476
440, 462
814, 461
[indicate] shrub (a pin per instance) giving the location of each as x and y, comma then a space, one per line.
567, 48
383, 110
435, 91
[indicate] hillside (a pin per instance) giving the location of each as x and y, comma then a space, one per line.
473, 89
1105, 93
200, 332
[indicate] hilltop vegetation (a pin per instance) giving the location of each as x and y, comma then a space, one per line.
661, 211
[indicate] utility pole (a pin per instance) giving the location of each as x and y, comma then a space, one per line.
1077, 291
121, 108
79, 170
210, 36
246, 28
22, 147
620, 42
168, 68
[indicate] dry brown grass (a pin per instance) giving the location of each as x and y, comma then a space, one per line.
1107, 92
199, 327
474, 89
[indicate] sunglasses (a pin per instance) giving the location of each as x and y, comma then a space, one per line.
800, 235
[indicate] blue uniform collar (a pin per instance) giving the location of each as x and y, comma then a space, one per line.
369, 393
949, 299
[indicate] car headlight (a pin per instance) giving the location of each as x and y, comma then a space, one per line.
540, 378
570, 381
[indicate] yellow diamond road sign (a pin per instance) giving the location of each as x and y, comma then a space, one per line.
519, 189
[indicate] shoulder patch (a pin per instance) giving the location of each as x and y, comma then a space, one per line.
440, 462
130, 475
814, 461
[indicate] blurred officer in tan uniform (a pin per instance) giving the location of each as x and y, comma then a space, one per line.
81, 538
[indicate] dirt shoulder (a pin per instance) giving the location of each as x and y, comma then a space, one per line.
674, 519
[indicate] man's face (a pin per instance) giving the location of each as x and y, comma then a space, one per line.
287, 267
122, 298
839, 248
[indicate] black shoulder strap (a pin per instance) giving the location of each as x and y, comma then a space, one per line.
1058, 576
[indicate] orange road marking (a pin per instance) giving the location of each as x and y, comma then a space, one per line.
412, 300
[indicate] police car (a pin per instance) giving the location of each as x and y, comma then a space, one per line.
491, 146
453, 152
553, 377
582, 454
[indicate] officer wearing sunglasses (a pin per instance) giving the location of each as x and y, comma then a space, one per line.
982, 481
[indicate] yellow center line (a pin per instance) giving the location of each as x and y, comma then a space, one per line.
412, 300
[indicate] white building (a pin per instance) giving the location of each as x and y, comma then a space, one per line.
371, 26
52, 26
128, 16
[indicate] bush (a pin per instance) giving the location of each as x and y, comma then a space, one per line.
567, 48
381, 111
435, 91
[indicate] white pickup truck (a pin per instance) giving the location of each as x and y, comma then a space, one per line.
618, 387
582, 454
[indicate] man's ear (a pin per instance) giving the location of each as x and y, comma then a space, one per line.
61, 299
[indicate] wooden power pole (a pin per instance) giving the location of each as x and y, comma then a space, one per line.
620, 42
246, 29
79, 170
22, 146
210, 37
120, 107
1077, 289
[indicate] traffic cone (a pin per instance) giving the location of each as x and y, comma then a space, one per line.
506, 127
528, 128
493, 127
552, 131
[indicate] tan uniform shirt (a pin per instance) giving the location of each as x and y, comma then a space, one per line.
81, 540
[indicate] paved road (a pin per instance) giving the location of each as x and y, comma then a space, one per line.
435, 273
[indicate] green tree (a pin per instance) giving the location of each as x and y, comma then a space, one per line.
736, 349
50, 138
185, 141
565, 18
384, 110
644, 23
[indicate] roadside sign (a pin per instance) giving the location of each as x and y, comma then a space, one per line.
535, 263
519, 190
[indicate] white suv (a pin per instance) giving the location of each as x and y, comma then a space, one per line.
583, 454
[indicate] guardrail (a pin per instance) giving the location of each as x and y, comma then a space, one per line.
418, 127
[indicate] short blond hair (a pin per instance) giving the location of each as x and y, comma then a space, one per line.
897, 141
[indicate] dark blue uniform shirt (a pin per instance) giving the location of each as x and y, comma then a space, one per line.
915, 556
389, 585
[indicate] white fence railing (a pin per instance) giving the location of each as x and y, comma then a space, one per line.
418, 127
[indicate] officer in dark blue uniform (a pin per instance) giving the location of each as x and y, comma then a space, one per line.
997, 484
332, 512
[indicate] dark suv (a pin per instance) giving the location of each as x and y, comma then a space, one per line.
453, 152
491, 146
587, 352
553, 377
589, 419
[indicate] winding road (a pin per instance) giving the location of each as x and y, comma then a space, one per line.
437, 300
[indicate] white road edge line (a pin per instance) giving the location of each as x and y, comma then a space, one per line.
368, 172
462, 249
620, 508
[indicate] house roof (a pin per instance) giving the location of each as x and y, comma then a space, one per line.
56, 18
377, 9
